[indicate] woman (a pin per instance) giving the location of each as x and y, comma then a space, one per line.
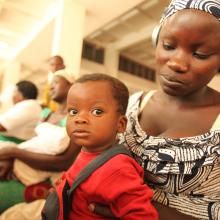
18, 123
14, 191
173, 132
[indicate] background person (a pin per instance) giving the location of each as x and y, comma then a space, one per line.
18, 123
55, 63
29, 166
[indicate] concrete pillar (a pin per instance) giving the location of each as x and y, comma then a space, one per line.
68, 34
111, 61
11, 76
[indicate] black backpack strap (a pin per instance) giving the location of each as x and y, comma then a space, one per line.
96, 163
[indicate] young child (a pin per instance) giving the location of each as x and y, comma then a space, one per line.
97, 104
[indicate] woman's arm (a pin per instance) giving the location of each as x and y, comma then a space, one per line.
6, 167
2, 128
42, 161
165, 213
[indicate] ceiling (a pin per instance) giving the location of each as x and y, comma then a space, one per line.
126, 25
130, 33
20, 21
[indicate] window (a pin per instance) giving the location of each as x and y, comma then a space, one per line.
93, 52
134, 68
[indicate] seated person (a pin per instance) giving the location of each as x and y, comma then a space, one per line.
55, 63
52, 129
31, 167
93, 122
18, 123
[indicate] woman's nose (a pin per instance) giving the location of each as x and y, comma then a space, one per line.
179, 62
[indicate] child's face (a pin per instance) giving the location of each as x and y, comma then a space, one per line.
93, 120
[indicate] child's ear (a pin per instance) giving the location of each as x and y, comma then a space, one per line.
122, 123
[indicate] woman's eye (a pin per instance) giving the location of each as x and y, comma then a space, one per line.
73, 111
167, 46
201, 56
97, 112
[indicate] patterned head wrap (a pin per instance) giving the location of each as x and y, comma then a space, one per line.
66, 75
210, 6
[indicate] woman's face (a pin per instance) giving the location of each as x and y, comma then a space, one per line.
188, 52
59, 89
17, 96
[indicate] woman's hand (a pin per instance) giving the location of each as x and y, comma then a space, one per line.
101, 210
7, 153
165, 213
6, 167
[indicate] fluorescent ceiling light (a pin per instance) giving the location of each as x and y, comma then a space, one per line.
5, 54
49, 16
9, 33
129, 15
148, 4
95, 34
1, 4
3, 45
111, 25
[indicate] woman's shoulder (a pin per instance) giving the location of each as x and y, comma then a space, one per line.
136, 96
45, 112
216, 124
215, 107
139, 99
213, 96
133, 103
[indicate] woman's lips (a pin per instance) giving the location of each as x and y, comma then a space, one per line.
171, 82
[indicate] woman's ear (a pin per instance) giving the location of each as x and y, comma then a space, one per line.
122, 123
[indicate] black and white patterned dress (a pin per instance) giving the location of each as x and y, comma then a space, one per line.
184, 172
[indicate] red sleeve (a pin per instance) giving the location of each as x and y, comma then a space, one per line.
125, 191
59, 189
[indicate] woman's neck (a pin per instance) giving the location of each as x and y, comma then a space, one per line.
202, 97
62, 109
